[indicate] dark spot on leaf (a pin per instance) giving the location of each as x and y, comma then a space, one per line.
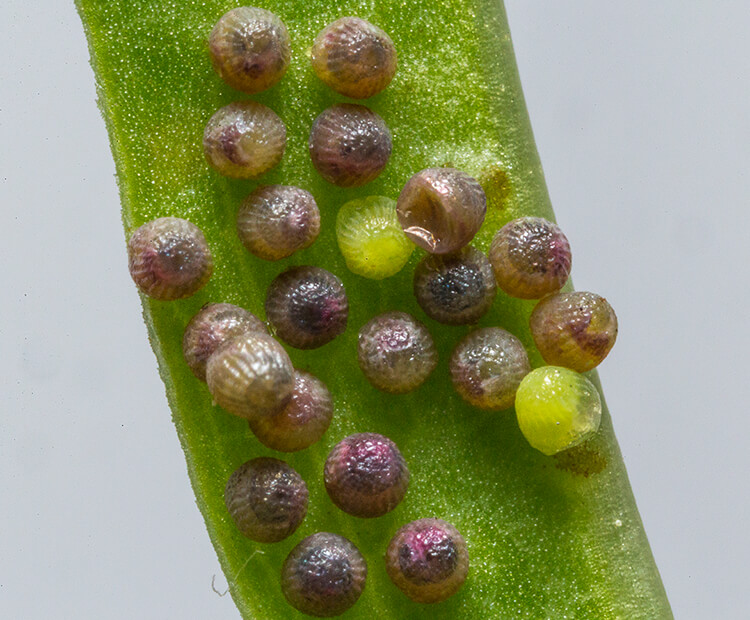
496, 185
581, 461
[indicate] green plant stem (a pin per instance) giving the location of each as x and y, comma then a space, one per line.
548, 537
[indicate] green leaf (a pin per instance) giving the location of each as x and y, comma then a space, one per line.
548, 537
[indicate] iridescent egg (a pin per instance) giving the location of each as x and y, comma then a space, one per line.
557, 408
428, 560
455, 289
307, 306
575, 330
250, 376
277, 220
531, 258
214, 325
266, 499
349, 145
365, 475
354, 57
302, 422
169, 258
441, 209
250, 49
243, 140
487, 367
371, 239
396, 352
323, 575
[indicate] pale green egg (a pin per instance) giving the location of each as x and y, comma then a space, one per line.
557, 409
371, 239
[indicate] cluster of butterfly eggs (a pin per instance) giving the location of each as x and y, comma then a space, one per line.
440, 210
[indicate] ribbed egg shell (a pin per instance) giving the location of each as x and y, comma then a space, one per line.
210, 328
244, 139
250, 376
169, 258
266, 499
302, 422
354, 57
250, 49
349, 145
277, 220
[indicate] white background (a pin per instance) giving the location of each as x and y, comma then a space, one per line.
640, 111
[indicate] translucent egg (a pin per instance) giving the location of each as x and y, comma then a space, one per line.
557, 409
371, 239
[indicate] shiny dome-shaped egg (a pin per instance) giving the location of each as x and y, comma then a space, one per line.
307, 306
169, 258
487, 367
266, 499
302, 422
530, 257
354, 57
428, 560
396, 352
323, 575
455, 289
575, 330
210, 328
349, 145
243, 140
277, 220
250, 376
557, 408
365, 475
250, 48
441, 209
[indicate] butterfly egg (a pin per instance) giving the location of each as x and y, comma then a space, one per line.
575, 330
370, 237
441, 209
354, 58
277, 220
169, 258
307, 306
531, 258
244, 139
323, 575
487, 366
302, 422
349, 145
214, 325
266, 499
365, 475
427, 560
250, 49
250, 376
557, 408
455, 289
396, 352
